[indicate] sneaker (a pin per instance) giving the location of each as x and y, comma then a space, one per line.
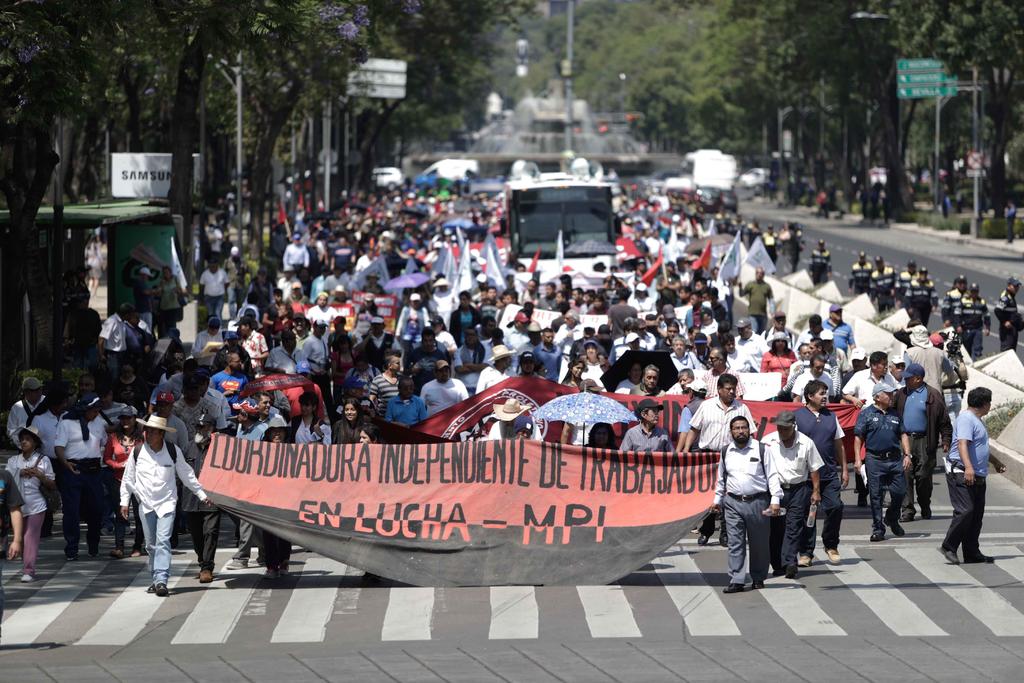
238, 563
152, 588
833, 555
27, 578
703, 539
805, 561
875, 538
161, 590
756, 585
897, 530
271, 574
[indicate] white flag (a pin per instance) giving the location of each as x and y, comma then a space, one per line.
758, 257
379, 267
712, 230
729, 266
495, 269
465, 273
411, 266
559, 253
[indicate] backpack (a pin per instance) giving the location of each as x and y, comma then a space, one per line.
171, 450
725, 472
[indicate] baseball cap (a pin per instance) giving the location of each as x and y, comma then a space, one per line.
897, 359
698, 385
648, 404
533, 327
145, 271
88, 401
128, 411
742, 322
302, 367
214, 321
882, 388
521, 318
415, 297
527, 355
296, 236
858, 354
641, 287
834, 307
523, 423
787, 418
700, 338
164, 397
230, 334
353, 382
376, 320
1013, 281
31, 384
248, 406
974, 287
631, 337
914, 370
441, 365
319, 322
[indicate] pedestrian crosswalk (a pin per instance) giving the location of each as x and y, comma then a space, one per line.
903, 590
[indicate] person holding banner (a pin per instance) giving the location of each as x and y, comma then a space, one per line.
747, 493
507, 413
277, 551
646, 436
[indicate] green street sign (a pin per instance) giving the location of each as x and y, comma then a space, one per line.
925, 78
916, 92
919, 65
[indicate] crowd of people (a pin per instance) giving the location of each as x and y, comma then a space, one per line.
283, 364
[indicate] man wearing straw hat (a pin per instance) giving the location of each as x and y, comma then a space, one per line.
149, 476
505, 428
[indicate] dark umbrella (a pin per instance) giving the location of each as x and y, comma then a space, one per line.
277, 382
591, 248
419, 213
660, 359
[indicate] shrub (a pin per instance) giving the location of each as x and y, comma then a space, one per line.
998, 418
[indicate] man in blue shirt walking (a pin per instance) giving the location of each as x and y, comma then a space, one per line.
407, 408
842, 333
966, 472
922, 409
879, 430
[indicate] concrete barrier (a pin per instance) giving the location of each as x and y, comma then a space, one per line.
871, 337
829, 292
801, 279
897, 321
800, 305
1005, 366
860, 307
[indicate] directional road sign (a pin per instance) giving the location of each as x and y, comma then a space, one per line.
919, 65
381, 78
925, 78
917, 92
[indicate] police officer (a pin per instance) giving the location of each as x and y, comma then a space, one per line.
770, 243
883, 285
821, 264
920, 297
904, 280
952, 299
860, 275
879, 430
1010, 322
970, 316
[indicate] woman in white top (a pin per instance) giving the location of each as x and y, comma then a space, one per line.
307, 427
32, 472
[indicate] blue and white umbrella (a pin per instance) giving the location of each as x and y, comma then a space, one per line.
584, 408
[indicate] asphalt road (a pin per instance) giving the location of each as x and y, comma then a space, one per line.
944, 260
889, 611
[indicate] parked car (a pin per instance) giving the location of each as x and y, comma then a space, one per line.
754, 178
388, 177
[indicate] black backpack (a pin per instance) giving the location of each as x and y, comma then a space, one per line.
171, 450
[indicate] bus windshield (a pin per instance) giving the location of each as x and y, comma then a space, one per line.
581, 213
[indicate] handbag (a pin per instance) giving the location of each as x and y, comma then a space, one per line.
51, 496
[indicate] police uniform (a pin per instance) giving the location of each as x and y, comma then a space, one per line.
821, 265
860, 277
918, 299
880, 431
970, 315
883, 282
949, 303
1006, 312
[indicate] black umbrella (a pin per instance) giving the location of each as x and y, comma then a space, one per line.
419, 213
660, 359
591, 248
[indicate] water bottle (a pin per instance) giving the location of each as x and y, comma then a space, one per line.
812, 514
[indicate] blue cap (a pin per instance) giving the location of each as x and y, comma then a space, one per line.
87, 401
203, 372
353, 382
914, 370
214, 321
302, 367
523, 423
230, 334
296, 235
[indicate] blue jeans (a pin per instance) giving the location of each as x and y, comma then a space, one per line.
758, 323
831, 509
75, 490
113, 489
158, 543
889, 474
214, 305
84, 358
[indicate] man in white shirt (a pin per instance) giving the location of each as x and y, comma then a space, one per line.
642, 300
296, 257
112, 344
683, 358
470, 359
213, 285
442, 391
797, 461
284, 357
497, 371
858, 388
747, 489
149, 475
79, 446
23, 412
211, 334
736, 360
816, 369
749, 343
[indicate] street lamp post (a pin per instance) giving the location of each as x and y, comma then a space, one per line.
622, 92
567, 73
781, 114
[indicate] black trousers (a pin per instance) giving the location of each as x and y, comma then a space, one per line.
279, 551
968, 512
787, 531
204, 526
707, 527
1007, 338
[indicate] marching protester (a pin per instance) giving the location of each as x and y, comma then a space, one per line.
922, 411
647, 436
119, 448
880, 431
203, 520
820, 424
33, 474
78, 445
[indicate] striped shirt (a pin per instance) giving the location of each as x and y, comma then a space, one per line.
382, 391
712, 419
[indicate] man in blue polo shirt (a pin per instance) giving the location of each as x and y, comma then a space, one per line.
842, 333
966, 472
407, 408
549, 355
879, 429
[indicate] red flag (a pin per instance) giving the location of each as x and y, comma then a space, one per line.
704, 261
533, 263
282, 218
648, 277
302, 203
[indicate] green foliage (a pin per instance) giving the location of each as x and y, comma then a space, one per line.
998, 418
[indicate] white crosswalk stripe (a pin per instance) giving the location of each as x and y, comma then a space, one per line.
987, 606
322, 593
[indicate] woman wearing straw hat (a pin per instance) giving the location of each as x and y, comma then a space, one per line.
33, 473
149, 476
505, 428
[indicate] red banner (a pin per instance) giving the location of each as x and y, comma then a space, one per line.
467, 514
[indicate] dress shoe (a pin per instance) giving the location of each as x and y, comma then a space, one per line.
862, 501
733, 588
723, 540
791, 571
152, 588
205, 576
778, 572
926, 512
117, 553
161, 590
833, 555
949, 555
897, 530
979, 559
875, 538
703, 539
805, 561
907, 517
757, 585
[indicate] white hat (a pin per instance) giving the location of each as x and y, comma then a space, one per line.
826, 335
676, 218
509, 410
277, 422
698, 385
919, 337
376, 320
157, 422
858, 354
145, 271
481, 278
641, 287
631, 337
500, 351
235, 251
897, 358
415, 297
441, 282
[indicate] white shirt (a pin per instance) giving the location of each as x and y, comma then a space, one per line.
213, 284
712, 419
305, 433
280, 359
793, 463
295, 257
746, 475
593, 372
755, 347
113, 334
439, 396
18, 417
29, 487
314, 351
625, 386
151, 480
47, 426
446, 340
861, 384
203, 338
737, 361
489, 376
69, 436
325, 315
805, 377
